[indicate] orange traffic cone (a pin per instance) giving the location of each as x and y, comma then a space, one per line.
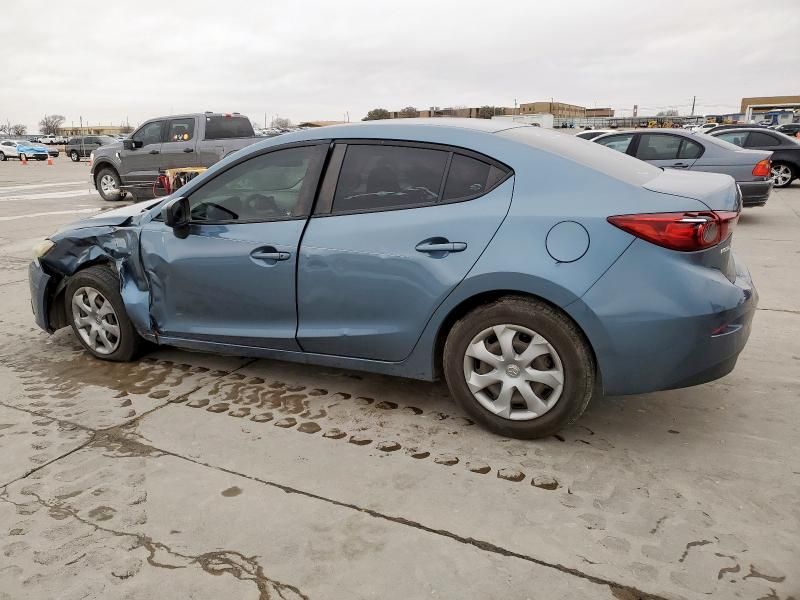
24, 160
50, 160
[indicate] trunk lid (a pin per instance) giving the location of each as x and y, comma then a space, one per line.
716, 191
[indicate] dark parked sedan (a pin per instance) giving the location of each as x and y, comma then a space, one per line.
677, 149
785, 150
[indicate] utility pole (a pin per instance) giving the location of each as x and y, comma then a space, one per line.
694, 98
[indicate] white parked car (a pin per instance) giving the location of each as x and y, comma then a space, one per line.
47, 139
22, 148
704, 127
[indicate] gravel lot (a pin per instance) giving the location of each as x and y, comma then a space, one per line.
223, 477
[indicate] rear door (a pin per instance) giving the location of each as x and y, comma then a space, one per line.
668, 151
396, 228
178, 149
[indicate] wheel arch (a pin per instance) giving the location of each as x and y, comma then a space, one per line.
555, 296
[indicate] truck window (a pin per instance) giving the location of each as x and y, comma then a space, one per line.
181, 130
224, 127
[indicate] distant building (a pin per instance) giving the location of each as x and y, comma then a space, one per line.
68, 130
755, 108
561, 110
463, 112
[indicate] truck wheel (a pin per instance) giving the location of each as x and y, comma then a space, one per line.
74, 156
108, 184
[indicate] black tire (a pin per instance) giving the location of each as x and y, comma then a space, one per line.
23, 156
2, 157
569, 342
792, 172
109, 197
105, 280
75, 156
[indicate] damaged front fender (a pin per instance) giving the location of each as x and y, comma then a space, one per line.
93, 242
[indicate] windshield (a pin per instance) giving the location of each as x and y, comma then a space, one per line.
224, 127
105, 139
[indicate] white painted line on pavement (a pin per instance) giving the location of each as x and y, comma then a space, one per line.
49, 195
47, 214
31, 186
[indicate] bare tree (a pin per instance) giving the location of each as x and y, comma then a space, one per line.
667, 113
281, 123
126, 129
376, 114
409, 112
5, 128
18, 129
50, 123
487, 112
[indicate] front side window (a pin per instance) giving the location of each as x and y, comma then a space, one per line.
617, 142
756, 139
149, 134
269, 187
658, 147
376, 177
180, 130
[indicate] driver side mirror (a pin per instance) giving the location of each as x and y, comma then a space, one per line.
176, 215
131, 144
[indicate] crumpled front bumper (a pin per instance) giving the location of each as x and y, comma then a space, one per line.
40, 283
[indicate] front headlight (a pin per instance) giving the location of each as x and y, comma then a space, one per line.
42, 248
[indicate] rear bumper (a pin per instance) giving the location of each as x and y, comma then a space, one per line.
39, 282
755, 193
659, 323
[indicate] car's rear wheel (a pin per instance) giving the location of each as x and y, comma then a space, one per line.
781, 174
74, 156
108, 184
519, 367
97, 315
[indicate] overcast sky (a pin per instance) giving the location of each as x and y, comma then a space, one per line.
112, 61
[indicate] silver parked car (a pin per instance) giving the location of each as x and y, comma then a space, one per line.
679, 149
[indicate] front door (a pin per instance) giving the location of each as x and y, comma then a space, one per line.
403, 228
232, 279
140, 165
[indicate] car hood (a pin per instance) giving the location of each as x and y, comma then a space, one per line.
118, 217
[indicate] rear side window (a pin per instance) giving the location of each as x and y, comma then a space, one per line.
690, 149
222, 127
375, 177
467, 177
617, 142
756, 139
733, 137
180, 130
658, 147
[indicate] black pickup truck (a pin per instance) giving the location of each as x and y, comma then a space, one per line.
180, 141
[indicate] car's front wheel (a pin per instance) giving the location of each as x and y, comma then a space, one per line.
519, 367
2, 157
97, 315
74, 156
781, 174
109, 185
23, 156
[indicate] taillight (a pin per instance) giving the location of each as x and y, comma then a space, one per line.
685, 232
762, 169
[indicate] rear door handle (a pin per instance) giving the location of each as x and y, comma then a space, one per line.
154, 152
188, 149
441, 247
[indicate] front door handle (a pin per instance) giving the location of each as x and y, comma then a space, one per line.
188, 149
680, 165
440, 247
269, 254
154, 152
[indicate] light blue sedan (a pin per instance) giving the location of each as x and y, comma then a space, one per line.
530, 269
